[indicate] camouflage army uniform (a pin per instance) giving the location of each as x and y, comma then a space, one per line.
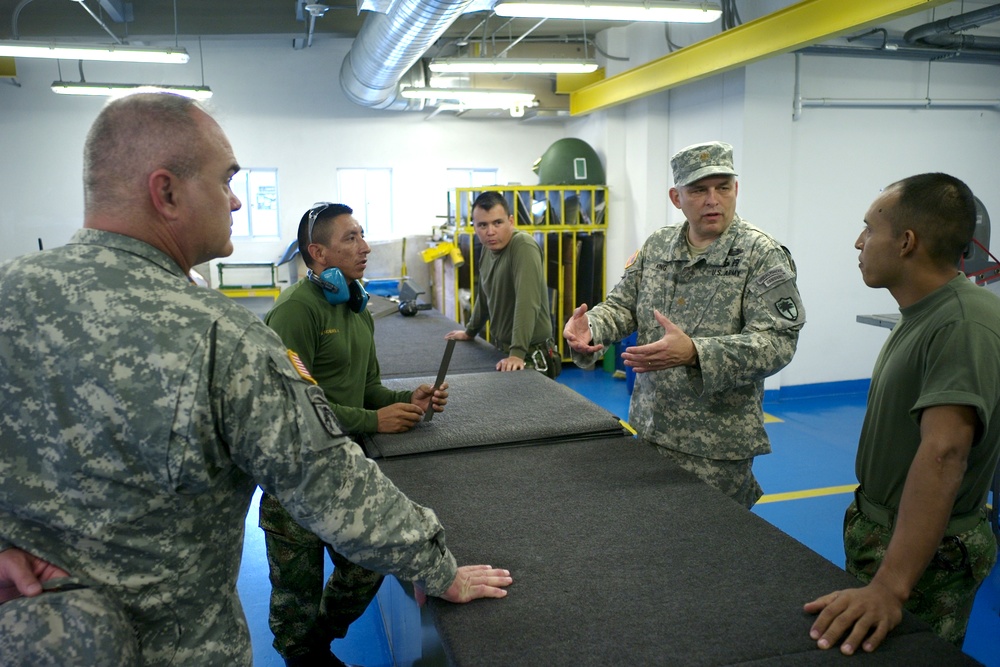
946, 591
739, 304
140, 413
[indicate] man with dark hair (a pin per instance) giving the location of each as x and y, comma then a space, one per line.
917, 533
511, 295
324, 321
143, 411
717, 310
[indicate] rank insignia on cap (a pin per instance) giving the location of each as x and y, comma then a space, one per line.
300, 367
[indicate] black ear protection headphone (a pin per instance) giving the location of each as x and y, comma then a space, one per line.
337, 290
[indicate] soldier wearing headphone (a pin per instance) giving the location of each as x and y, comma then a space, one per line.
323, 321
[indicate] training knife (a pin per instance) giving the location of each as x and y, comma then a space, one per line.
439, 380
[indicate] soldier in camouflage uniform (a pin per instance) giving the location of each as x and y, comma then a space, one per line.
142, 411
717, 310
333, 335
917, 533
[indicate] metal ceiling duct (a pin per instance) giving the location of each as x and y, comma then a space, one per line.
388, 46
941, 33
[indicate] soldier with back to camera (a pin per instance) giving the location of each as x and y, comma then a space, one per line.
143, 413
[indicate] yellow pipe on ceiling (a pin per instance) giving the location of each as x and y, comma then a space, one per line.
796, 26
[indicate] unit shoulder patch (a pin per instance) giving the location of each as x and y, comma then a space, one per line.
787, 307
323, 411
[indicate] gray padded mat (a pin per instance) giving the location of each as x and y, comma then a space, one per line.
497, 409
619, 557
413, 346
381, 306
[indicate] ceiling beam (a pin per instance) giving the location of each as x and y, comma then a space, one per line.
117, 10
802, 24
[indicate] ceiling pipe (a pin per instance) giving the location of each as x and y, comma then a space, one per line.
389, 45
98, 19
14, 17
799, 25
314, 10
941, 33
904, 52
799, 102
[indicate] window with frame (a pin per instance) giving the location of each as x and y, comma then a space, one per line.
467, 178
258, 217
369, 193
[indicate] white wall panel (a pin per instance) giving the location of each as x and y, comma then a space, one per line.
281, 108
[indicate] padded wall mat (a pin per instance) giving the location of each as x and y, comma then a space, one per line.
497, 409
621, 558
413, 346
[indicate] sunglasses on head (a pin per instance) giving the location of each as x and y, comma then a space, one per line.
314, 213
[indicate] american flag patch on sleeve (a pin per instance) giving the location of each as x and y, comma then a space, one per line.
300, 367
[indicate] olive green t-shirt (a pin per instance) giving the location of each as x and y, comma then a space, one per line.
513, 297
337, 346
945, 350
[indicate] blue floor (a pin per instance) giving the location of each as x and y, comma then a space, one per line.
814, 445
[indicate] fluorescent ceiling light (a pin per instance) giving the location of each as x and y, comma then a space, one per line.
514, 65
119, 89
112, 52
473, 98
662, 11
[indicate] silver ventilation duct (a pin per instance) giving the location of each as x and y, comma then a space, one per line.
941, 33
389, 45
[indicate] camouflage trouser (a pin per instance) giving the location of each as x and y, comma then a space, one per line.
733, 478
306, 616
81, 627
944, 595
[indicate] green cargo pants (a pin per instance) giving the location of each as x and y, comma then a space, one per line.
307, 616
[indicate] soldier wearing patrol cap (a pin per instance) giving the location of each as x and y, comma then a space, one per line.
717, 310
696, 162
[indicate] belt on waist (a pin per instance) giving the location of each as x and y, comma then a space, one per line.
886, 516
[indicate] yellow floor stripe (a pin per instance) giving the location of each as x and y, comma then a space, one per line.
816, 493
792, 495
809, 493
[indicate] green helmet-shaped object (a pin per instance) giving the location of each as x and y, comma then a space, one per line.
569, 162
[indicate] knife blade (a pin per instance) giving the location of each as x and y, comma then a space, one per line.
439, 380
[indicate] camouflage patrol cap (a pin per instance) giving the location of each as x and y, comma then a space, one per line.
694, 163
